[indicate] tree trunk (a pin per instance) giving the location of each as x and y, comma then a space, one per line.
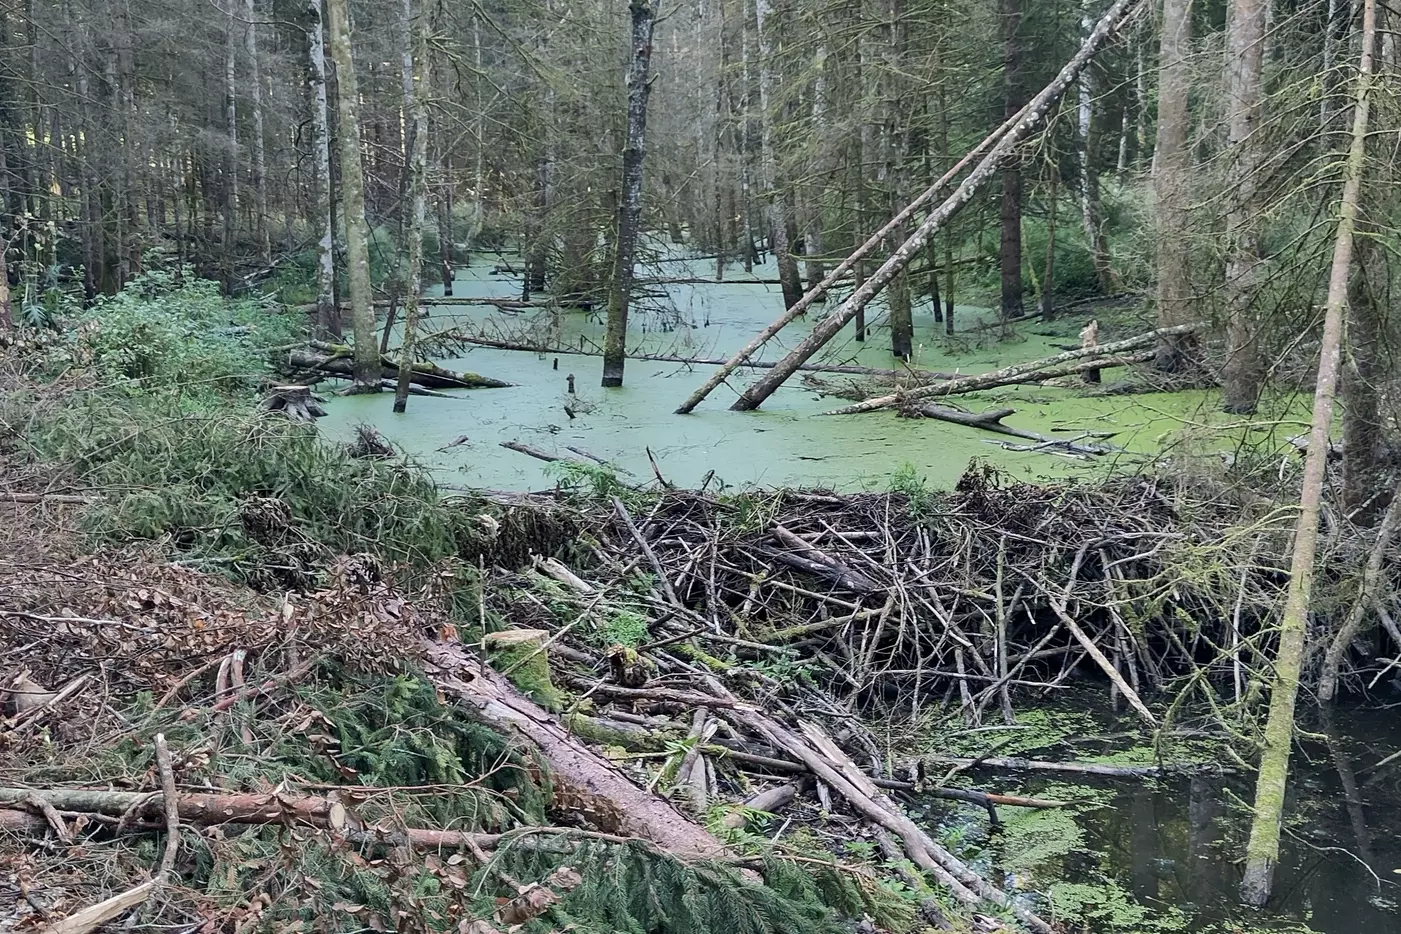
445, 226
416, 48
644, 17
260, 172
1172, 185
1010, 252
357, 232
1244, 372
779, 208
1262, 850
1363, 371
1030, 118
328, 315
1086, 140
231, 162
1048, 277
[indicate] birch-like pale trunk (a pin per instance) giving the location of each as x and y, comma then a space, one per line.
328, 315
644, 18
416, 52
1262, 850
357, 231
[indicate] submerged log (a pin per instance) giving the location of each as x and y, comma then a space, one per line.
991, 420
427, 374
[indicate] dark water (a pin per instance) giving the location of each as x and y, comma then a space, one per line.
1163, 855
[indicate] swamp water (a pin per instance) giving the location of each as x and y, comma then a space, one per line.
782, 444
1160, 856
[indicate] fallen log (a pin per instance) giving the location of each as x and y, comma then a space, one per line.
584, 784
812, 559
1070, 768
991, 420
1062, 364
65, 499
499, 343
430, 375
521, 447
504, 303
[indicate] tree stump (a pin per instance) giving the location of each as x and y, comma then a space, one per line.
298, 403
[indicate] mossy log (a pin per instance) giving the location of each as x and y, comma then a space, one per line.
336, 360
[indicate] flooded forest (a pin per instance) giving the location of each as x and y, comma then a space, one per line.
699, 466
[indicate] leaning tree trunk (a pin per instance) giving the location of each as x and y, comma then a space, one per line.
1243, 373
1171, 186
1262, 850
1010, 252
1027, 121
416, 44
328, 315
644, 18
357, 232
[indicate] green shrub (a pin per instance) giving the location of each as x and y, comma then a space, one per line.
171, 331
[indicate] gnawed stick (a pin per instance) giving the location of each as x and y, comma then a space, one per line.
172, 809
94, 916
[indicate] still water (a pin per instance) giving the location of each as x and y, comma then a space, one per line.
784, 443
1162, 855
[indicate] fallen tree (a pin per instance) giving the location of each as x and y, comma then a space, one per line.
337, 362
1116, 353
456, 335
991, 420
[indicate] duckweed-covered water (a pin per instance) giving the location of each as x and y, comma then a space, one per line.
783, 443
1162, 856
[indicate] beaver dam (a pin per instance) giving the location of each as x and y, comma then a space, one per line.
1005, 706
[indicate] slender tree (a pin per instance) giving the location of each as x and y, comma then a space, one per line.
416, 49
328, 316
1244, 372
1010, 253
643, 21
357, 231
1171, 185
1262, 849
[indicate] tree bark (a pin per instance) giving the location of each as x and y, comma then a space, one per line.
416, 48
644, 17
1030, 118
1172, 187
231, 160
1262, 850
1244, 372
779, 209
260, 171
583, 781
1364, 425
328, 315
357, 232
1010, 251
1086, 138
